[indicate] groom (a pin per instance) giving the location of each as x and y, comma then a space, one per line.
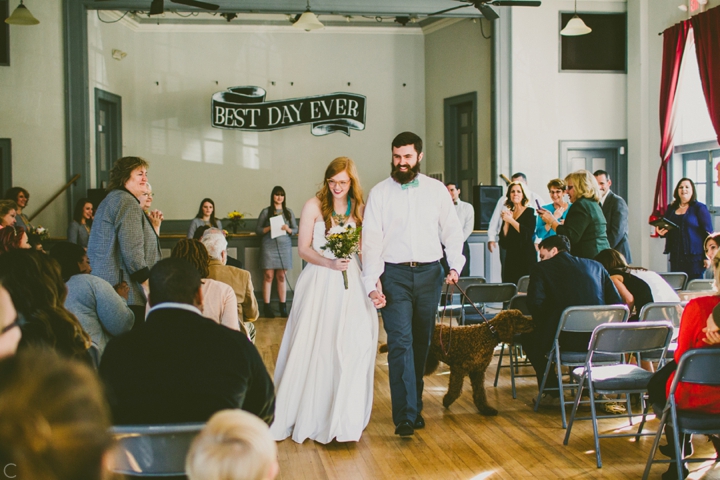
406, 218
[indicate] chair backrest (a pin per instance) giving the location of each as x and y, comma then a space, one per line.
700, 285
519, 302
153, 450
700, 366
491, 292
676, 280
522, 284
465, 282
586, 318
631, 337
662, 311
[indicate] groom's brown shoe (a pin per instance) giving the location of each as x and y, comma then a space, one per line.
404, 428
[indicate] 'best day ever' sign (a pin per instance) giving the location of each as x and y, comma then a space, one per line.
245, 108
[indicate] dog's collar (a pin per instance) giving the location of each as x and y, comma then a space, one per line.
494, 332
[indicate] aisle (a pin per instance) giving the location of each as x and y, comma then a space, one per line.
461, 444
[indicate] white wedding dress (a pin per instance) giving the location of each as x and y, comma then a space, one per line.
325, 367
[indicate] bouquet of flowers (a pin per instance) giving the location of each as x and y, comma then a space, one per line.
235, 218
343, 242
40, 232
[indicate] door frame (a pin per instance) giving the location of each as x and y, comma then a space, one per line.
6, 149
115, 135
451, 126
622, 154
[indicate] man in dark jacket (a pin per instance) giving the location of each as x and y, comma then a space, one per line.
181, 366
560, 281
615, 211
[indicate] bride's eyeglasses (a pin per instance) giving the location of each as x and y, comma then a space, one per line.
342, 183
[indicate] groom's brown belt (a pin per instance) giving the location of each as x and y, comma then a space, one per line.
414, 264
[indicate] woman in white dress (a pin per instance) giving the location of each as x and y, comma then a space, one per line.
325, 367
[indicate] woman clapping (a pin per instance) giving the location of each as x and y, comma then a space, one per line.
516, 235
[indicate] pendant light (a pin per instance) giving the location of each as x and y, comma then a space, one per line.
21, 16
575, 26
308, 21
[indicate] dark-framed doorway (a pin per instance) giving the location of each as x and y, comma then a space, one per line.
5, 165
592, 155
461, 165
108, 134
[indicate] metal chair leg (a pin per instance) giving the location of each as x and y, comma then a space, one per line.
656, 442
512, 374
499, 366
545, 377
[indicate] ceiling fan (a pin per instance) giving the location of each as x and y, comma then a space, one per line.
157, 6
484, 6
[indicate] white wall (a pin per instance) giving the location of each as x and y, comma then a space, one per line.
458, 60
548, 105
169, 123
32, 112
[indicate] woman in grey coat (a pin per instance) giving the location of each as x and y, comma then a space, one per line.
100, 308
123, 244
276, 252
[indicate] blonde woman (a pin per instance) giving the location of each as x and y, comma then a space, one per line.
585, 224
325, 367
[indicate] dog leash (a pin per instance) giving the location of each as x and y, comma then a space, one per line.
448, 294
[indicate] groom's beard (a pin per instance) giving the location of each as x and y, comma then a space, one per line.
404, 177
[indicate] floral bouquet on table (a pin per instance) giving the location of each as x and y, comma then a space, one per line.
343, 242
235, 218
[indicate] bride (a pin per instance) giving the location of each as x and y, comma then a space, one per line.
324, 371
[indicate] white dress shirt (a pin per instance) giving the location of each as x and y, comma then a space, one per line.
466, 215
407, 225
496, 222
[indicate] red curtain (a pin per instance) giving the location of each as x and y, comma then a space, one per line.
706, 28
673, 48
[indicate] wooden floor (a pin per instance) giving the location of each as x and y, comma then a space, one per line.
458, 443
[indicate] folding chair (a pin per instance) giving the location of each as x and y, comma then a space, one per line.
486, 293
700, 285
522, 284
700, 366
518, 302
451, 303
617, 339
676, 280
583, 320
663, 311
153, 450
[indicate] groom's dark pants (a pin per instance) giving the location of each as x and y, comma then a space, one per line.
412, 296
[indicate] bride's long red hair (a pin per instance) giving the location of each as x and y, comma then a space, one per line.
341, 164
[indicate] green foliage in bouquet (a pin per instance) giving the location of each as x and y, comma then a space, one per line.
343, 242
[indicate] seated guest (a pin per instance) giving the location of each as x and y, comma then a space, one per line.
181, 366
79, 229
710, 246
636, 286
9, 325
558, 208
698, 329
21, 197
38, 292
54, 420
219, 302
204, 218
13, 238
234, 445
559, 281
101, 308
8, 213
238, 279
155, 216
200, 231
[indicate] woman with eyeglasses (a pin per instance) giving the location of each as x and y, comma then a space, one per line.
8, 213
276, 258
325, 367
585, 225
204, 218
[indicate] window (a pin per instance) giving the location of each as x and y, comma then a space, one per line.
602, 50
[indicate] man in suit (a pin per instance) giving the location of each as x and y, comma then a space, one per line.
181, 366
616, 214
559, 281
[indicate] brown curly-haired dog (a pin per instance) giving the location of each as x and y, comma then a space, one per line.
469, 352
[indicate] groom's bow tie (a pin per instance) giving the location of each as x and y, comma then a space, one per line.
413, 184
